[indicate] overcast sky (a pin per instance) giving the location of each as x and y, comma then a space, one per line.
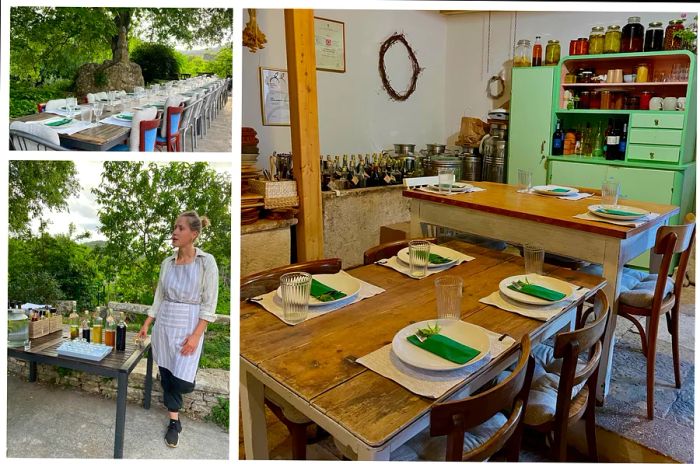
82, 209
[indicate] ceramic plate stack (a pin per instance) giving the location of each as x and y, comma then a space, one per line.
249, 156
250, 208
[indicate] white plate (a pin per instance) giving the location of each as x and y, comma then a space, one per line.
460, 331
449, 253
630, 209
536, 279
341, 282
547, 190
456, 187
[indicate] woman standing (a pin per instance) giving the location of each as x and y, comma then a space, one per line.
184, 303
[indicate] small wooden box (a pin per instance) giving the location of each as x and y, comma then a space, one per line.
39, 328
55, 323
277, 194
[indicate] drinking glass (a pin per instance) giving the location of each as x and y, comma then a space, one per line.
524, 181
296, 288
86, 114
610, 192
418, 254
97, 108
534, 258
448, 297
446, 177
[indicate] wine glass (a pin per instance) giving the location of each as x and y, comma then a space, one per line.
97, 108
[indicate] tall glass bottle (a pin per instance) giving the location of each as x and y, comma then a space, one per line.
110, 330
537, 52
558, 141
74, 323
97, 327
622, 147
121, 333
85, 326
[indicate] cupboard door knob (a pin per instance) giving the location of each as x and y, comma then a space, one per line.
656, 122
651, 155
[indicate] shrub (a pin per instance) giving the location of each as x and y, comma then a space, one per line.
219, 413
157, 61
24, 96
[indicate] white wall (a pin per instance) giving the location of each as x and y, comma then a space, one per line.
355, 113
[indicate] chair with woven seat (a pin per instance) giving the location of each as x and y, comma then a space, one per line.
564, 384
387, 250
266, 281
645, 295
475, 428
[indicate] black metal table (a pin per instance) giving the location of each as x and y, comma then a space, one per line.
118, 364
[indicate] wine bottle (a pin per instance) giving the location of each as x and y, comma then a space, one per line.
622, 147
558, 141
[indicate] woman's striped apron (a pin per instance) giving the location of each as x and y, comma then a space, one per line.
177, 318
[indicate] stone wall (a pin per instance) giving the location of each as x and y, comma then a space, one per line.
265, 244
136, 308
210, 385
352, 220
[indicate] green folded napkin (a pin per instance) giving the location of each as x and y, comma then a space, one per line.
437, 259
618, 212
538, 291
560, 190
446, 348
126, 117
323, 292
58, 123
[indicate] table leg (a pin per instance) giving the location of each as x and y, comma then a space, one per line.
252, 393
148, 383
32, 371
612, 272
122, 382
374, 454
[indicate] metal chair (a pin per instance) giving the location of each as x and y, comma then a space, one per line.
40, 138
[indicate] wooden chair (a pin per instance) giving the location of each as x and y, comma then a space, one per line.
475, 427
387, 250
172, 129
564, 387
665, 299
266, 281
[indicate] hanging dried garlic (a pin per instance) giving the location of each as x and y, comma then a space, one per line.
253, 38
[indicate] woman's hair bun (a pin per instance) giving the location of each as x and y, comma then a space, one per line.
205, 221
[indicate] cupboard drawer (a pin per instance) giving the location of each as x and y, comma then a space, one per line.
653, 153
655, 136
660, 121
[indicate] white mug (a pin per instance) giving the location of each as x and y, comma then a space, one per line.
655, 103
669, 103
680, 104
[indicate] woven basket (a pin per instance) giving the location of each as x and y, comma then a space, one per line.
55, 323
39, 328
279, 194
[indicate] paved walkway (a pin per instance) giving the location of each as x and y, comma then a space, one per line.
51, 422
218, 138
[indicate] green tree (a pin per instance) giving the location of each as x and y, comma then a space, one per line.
138, 204
222, 65
157, 61
38, 185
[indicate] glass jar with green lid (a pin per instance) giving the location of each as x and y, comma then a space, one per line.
613, 39
552, 53
596, 40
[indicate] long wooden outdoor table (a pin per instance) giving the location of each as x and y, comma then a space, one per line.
117, 364
311, 364
502, 213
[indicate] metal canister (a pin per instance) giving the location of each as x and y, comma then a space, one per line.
437, 162
471, 167
494, 169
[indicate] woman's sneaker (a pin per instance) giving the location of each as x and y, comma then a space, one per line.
172, 435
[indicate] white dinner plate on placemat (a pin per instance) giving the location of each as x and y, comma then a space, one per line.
549, 190
460, 187
638, 212
341, 282
536, 279
448, 253
459, 331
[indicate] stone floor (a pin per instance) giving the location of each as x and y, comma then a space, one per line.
218, 138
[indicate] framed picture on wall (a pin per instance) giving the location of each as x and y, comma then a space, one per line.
330, 45
274, 96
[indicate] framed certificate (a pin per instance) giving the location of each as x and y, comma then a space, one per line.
330, 45
274, 97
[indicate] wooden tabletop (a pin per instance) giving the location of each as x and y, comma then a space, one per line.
504, 199
311, 358
118, 361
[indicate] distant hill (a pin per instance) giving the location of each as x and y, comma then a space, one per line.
95, 243
207, 54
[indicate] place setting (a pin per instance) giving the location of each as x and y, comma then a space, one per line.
431, 357
421, 259
533, 294
302, 296
550, 190
447, 185
611, 212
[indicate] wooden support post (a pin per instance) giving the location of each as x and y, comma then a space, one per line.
303, 107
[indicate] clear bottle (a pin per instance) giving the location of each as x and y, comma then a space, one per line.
598, 141
121, 333
74, 323
552, 53
596, 40
632, 36
97, 327
654, 37
537, 52
613, 39
110, 330
523, 54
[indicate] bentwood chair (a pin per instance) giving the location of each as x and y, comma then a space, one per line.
266, 281
387, 250
564, 386
477, 427
650, 296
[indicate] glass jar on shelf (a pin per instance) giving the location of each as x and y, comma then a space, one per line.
552, 53
613, 37
523, 54
605, 100
670, 41
595, 100
654, 37
642, 72
572, 47
584, 100
596, 40
582, 46
632, 38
